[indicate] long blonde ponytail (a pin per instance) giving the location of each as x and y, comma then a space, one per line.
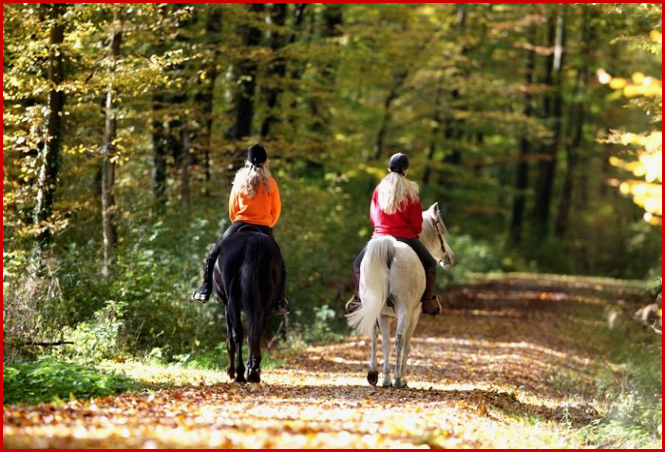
251, 177
395, 192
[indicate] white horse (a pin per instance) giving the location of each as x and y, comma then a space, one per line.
392, 282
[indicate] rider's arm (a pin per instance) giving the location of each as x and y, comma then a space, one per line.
416, 216
275, 203
233, 204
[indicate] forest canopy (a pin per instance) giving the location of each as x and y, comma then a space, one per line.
536, 127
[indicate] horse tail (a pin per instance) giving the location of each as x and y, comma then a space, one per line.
249, 278
374, 284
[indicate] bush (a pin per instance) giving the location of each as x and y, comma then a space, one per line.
48, 380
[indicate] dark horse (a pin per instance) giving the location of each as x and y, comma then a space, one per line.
248, 275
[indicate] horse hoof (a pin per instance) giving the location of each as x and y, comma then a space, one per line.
387, 383
254, 376
372, 377
399, 383
240, 379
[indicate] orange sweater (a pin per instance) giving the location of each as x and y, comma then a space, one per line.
263, 209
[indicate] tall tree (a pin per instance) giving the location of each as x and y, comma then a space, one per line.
276, 70
553, 110
205, 93
245, 75
522, 169
52, 143
109, 214
577, 120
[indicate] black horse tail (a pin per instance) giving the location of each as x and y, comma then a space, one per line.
253, 297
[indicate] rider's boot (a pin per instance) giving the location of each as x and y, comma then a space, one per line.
354, 302
430, 301
202, 294
282, 306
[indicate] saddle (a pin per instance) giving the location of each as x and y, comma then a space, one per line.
250, 228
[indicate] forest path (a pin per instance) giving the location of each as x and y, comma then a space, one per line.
502, 367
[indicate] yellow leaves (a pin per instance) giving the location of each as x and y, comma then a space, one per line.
618, 83
647, 194
639, 84
656, 36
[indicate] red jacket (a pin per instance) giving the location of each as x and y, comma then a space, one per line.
406, 223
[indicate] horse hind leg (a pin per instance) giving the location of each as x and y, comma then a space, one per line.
230, 347
373, 373
401, 338
254, 372
384, 326
254, 361
231, 352
236, 336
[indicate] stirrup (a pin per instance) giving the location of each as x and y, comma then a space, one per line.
200, 296
353, 305
282, 307
431, 310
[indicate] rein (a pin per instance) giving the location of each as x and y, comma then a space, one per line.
438, 234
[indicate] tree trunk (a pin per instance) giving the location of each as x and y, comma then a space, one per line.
109, 215
553, 111
578, 116
276, 69
398, 81
52, 144
298, 70
522, 170
319, 105
160, 146
453, 130
436, 129
246, 79
185, 163
204, 96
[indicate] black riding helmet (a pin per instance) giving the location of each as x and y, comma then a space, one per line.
257, 155
399, 163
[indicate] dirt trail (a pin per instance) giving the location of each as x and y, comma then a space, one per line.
484, 374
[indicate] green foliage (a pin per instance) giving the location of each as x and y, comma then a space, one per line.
629, 386
473, 255
49, 380
96, 339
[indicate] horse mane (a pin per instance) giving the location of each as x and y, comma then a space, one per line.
428, 234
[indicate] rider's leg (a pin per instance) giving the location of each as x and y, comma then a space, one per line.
282, 305
429, 300
354, 302
202, 294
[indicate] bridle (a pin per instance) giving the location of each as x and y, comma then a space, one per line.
440, 236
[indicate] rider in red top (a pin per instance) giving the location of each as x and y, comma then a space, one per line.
406, 223
396, 211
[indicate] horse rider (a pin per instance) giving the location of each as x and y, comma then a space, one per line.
254, 201
396, 210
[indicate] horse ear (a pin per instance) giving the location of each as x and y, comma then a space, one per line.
435, 208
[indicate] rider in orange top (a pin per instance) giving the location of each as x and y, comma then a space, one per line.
254, 200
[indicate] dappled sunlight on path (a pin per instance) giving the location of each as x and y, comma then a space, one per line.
481, 375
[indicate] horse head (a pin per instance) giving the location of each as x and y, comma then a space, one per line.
435, 232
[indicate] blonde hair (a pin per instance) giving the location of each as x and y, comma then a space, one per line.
395, 192
251, 177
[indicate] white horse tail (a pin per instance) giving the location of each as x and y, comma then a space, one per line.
374, 284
